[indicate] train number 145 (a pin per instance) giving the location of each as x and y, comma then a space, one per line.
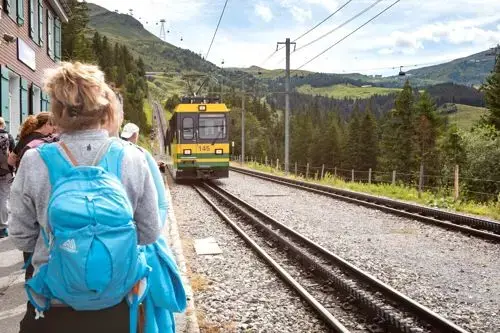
204, 148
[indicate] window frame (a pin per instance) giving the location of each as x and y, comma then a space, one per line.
34, 24
57, 38
40, 23
221, 116
50, 34
33, 102
192, 128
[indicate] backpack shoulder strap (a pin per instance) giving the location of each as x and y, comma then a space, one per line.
112, 160
55, 161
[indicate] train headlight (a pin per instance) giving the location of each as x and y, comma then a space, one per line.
187, 152
218, 151
202, 108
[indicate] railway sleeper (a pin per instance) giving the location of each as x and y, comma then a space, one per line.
371, 306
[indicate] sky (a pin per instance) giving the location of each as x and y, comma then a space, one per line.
412, 33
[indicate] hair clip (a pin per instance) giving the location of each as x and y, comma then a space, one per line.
73, 110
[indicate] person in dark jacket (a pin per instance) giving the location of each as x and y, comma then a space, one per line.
6, 176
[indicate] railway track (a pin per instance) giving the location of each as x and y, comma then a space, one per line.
161, 125
328, 283
485, 229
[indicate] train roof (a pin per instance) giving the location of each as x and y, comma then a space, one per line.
201, 104
201, 108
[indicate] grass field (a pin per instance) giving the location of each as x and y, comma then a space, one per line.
148, 111
466, 116
488, 209
164, 87
343, 90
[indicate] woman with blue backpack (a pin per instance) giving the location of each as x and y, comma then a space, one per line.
166, 293
86, 207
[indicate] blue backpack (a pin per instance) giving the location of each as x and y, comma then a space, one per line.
94, 258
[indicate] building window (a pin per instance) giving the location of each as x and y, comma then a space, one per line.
20, 11
11, 8
36, 99
50, 35
57, 39
33, 21
45, 102
40, 22
5, 96
14, 112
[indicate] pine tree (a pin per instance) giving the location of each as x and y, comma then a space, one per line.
96, 45
368, 141
75, 46
427, 127
352, 143
397, 134
492, 96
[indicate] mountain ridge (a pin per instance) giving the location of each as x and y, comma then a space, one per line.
161, 56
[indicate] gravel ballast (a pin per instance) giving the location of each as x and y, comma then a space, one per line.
451, 273
234, 291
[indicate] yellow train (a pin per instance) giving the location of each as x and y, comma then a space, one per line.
198, 139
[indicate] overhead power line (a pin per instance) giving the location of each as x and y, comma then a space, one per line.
348, 35
341, 25
320, 23
216, 29
307, 32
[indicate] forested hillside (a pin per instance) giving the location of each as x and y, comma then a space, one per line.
123, 71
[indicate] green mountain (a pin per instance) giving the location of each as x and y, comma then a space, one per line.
157, 54
160, 56
468, 71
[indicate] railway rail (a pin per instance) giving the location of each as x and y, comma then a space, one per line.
474, 226
385, 307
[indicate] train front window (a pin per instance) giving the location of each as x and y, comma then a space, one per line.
212, 126
188, 128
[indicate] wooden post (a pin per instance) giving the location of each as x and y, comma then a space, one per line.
370, 176
335, 172
394, 177
421, 179
295, 169
322, 171
277, 164
457, 187
307, 171
352, 175
266, 160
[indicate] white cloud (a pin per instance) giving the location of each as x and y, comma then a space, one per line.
385, 51
456, 32
264, 12
331, 5
300, 14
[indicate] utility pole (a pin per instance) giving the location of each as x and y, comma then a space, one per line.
287, 103
242, 121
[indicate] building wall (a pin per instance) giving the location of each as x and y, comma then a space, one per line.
30, 99
8, 52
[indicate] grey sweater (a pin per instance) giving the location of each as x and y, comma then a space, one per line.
31, 189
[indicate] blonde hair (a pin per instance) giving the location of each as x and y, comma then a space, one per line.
80, 98
2, 122
35, 122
